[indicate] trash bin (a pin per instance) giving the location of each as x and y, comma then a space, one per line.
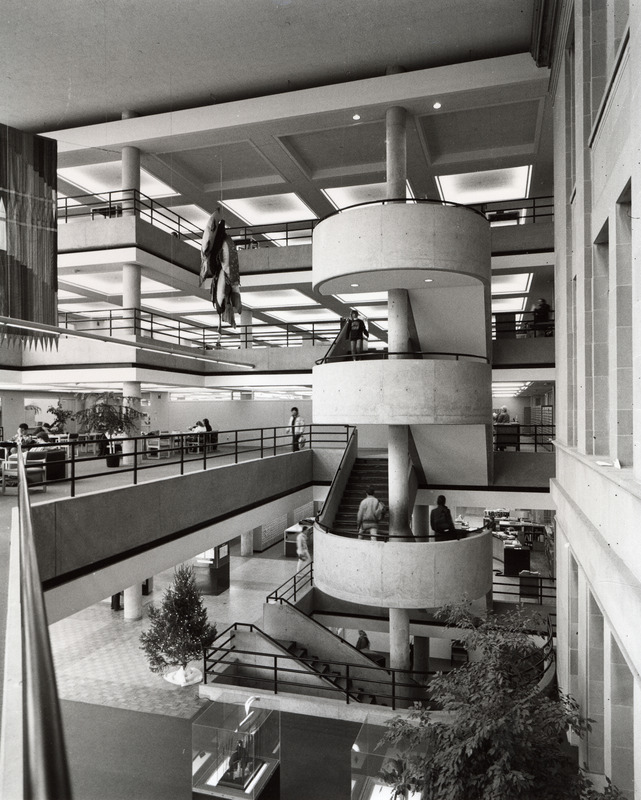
530, 584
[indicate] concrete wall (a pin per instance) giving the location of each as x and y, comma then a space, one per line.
403, 392
82, 533
402, 574
392, 246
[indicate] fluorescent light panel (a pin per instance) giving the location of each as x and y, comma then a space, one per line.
488, 186
287, 207
276, 299
343, 196
107, 177
363, 297
519, 283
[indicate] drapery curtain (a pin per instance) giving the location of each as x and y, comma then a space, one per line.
28, 234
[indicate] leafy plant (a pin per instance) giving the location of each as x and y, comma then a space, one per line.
179, 628
503, 737
109, 413
62, 415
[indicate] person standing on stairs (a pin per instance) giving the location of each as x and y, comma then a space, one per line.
370, 513
357, 329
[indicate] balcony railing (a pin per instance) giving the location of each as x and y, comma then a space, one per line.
85, 454
109, 205
183, 333
524, 438
520, 325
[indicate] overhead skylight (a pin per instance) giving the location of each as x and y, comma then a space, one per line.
343, 196
178, 305
489, 186
305, 316
363, 297
518, 283
107, 177
276, 299
508, 304
372, 312
287, 207
192, 213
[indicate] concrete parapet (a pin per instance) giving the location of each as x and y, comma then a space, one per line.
403, 392
400, 246
402, 574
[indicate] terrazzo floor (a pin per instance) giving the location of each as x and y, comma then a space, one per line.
97, 654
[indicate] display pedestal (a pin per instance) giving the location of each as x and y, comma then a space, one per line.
271, 790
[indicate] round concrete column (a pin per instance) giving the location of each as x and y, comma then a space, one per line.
131, 389
396, 151
130, 167
131, 293
398, 313
133, 602
246, 319
399, 638
247, 543
421, 521
397, 450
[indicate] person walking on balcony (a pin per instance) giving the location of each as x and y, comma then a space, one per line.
356, 331
441, 521
296, 427
541, 317
302, 551
370, 513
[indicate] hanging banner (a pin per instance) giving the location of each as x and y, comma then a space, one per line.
28, 233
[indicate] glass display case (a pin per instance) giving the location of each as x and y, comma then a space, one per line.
379, 769
236, 752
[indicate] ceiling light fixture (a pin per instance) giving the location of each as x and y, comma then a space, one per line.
436, 105
356, 116
429, 280
353, 285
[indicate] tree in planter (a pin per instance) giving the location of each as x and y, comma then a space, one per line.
109, 413
505, 739
62, 415
179, 630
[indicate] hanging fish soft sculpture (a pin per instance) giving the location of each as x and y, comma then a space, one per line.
219, 261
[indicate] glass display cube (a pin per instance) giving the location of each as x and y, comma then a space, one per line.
377, 767
236, 752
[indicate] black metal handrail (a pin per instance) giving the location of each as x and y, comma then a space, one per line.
524, 437
396, 685
289, 589
406, 355
404, 201
46, 772
521, 324
120, 202
541, 590
183, 448
186, 333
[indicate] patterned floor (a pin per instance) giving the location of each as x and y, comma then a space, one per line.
97, 652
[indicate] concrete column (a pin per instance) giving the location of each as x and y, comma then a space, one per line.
246, 319
131, 293
421, 656
398, 312
396, 151
131, 389
399, 638
397, 452
247, 543
130, 172
133, 602
421, 521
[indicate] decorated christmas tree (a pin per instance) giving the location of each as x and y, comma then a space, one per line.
179, 630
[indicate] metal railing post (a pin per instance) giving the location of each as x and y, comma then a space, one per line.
347, 683
236, 447
73, 469
275, 674
135, 461
182, 455
274, 441
393, 690
262, 443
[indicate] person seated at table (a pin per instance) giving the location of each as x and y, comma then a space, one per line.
41, 433
441, 521
208, 427
198, 428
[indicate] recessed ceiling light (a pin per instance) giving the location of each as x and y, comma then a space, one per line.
356, 116
429, 280
353, 285
436, 105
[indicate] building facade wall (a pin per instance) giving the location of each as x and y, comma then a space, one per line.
597, 491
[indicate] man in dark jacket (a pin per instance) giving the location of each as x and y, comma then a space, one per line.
441, 520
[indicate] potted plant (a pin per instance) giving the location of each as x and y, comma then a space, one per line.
179, 630
113, 415
62, 415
